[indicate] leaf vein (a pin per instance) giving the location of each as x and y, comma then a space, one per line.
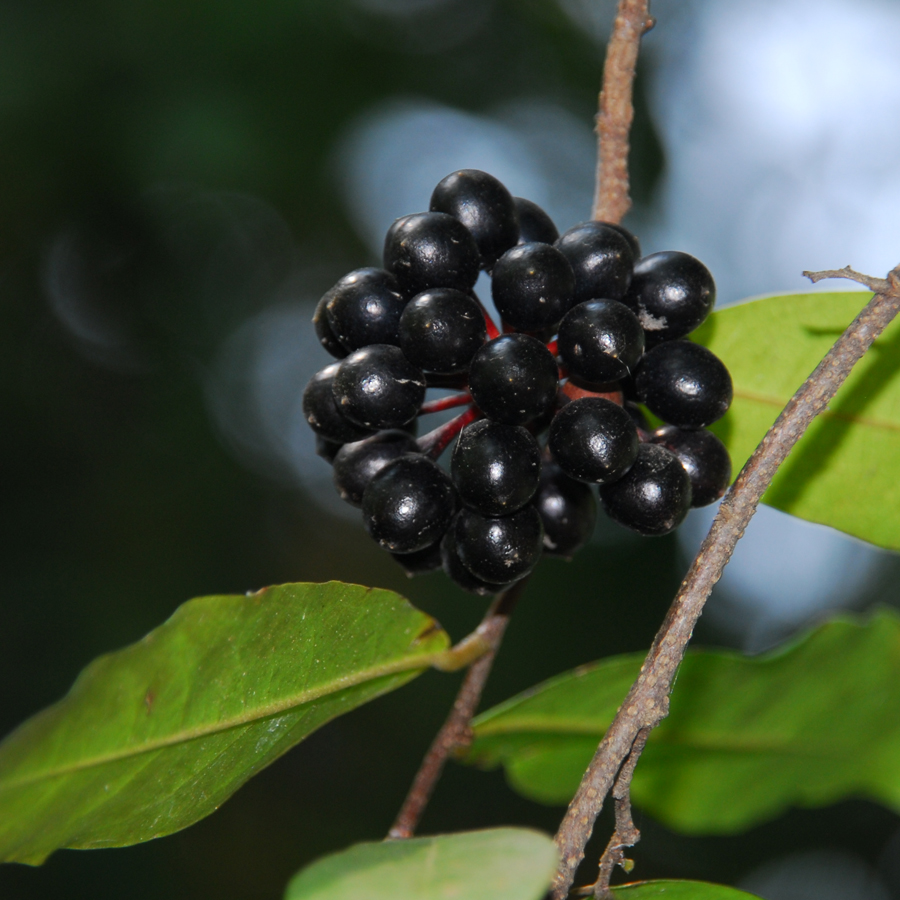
259, 714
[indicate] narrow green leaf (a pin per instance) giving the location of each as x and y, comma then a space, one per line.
499, 864
746, 737
679, 890
843, 472
158, 735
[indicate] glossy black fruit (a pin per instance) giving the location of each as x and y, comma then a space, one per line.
601, 259
600, 341
495, 468
421, 562
417, 323
378, 387
684, 384
653, 497
633, 242
484, 206
513, 379
441, 329
409, 504
327, 338
568, 511
499, 550
428, 250
326, 449
534, 223
704, 457
532, 286
356, 464
459, 574
322, 412
364, 308
593, 440
671, 293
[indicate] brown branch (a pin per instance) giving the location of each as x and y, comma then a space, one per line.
455, 733
878, 285
626, 834
611, 199
647, 702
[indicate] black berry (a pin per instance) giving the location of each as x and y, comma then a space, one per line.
568, 511
534, 223
484, 206
601, 259
593, 440
427, 250
364, 308
704, 457
409, 504
513, 379
633, 242
459, 574
684, 384
532, 286
356, 464
327, 338
417, 323
326, 449
441, 329
600, 341
495, 468
653, 497
672, 293
322, 412
378, 387
422, 561
499, 550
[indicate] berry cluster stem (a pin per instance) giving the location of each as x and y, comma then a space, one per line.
647, 702
435, 442
492, 330
455, 734
611, 198
433, 406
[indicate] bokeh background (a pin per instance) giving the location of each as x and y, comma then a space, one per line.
181, 182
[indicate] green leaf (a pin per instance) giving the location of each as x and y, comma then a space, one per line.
746, 737
679, 890
499, 864
843, 472
158, 735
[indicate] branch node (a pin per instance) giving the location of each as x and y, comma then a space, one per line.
626, 834
894, 281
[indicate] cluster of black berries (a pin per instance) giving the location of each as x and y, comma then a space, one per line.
589, 330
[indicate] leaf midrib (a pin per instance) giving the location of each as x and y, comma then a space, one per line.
407, 664
536, 729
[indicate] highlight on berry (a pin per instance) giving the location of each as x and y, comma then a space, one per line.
551, 398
